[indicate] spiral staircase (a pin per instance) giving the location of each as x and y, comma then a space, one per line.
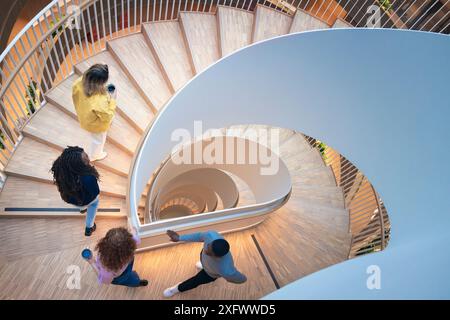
312, 225
148, 67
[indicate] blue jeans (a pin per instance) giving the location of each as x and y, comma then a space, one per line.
91, 212
128, 278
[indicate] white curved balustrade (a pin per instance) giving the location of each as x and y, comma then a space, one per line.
385, 115
270, 191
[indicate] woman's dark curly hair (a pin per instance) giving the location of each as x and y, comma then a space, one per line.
116, 249
68, 169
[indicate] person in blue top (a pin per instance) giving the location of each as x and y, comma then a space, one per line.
77, 182
215, 261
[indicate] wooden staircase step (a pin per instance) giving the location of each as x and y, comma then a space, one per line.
332, 200
235, 29
136, 58
321, 176
165, 38
27, 198
52, 126
269, 23
306, 160
121, 133
333, 218
201, 36
295, 144
33, 160
303, 21
130, 104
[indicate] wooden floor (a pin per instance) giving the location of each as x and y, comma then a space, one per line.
34, 258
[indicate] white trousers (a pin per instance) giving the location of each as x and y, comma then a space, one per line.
96, 145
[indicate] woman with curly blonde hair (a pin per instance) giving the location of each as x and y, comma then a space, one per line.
115, 258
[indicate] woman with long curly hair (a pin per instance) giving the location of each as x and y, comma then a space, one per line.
115, 258
77, 182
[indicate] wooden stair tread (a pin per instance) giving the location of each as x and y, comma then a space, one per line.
331, 192
166, 39
129, 101
122, 133
321, 176
333, 218
295, 144
25, 193
52, 126
200, 32
269, 23
33, 160
136, 58
235, 29
303, 21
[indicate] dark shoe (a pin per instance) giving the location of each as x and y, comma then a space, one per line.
83, 211
88, 231
143, 283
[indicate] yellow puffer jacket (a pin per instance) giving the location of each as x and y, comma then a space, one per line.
95, 113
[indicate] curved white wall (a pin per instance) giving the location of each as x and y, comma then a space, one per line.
379, 97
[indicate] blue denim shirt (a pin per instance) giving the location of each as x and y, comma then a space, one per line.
215, 267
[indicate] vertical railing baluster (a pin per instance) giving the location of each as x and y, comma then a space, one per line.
44, 62
86, 40
66, 41
55, 21
109, 20
12, 107
128, 17
90, 29
123, 16
432, 17
97, 26
167, 8
115, 18
357, 12
394, 23
103, 21
326, 9
8, 114
446, 26
420, 18
17, 71
140, 14
358, 23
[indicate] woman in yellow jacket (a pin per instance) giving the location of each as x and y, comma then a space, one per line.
95, 107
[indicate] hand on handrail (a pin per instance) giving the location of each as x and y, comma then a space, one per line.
174, 237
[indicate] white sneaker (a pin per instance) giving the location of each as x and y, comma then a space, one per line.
199, 265
169, 292
101, 157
